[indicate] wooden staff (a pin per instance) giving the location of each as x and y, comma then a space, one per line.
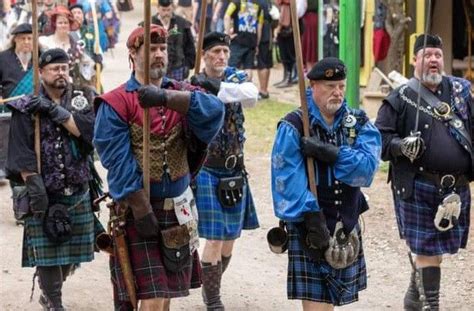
301, 86
146, 111
36, 80
202, 25
9, 99
96, 45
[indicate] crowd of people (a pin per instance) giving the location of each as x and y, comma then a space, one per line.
198, 185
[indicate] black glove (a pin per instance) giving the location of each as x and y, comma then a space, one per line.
317, 236
147, 226
212, 85
314, 148
151, 96
40, 104
145, 220
37, 195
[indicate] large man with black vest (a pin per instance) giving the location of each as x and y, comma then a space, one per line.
426, 125
324, 271
181, 49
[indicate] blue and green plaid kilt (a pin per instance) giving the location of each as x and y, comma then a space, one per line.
215, 221
152, 280
39, 251
319, 282
415, 217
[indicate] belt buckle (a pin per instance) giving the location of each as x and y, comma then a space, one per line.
230, 162
168, 204
448, 181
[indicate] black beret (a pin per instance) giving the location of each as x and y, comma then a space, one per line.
53, 56
329, 68
431, 42
76, 6
165, 2
215, 38
22, 28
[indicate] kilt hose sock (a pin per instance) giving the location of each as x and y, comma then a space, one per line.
51, 283
211, 286
225, 262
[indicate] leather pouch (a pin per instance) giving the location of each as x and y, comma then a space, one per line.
176, 253
21, 204
230, 190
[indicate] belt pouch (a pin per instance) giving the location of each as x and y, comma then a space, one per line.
176, 253
230, 190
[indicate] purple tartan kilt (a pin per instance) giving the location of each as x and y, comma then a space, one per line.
319, 282
151, 278
415, 217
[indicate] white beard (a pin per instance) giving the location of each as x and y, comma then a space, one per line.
432, 78
332, 108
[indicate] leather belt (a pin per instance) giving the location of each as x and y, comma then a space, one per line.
229, 163
445, 181
166, 204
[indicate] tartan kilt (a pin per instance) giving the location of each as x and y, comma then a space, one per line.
215, 221
178, 74
39, 251
319, 282
415, 217
152, 280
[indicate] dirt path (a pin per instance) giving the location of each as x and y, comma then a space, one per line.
256, 279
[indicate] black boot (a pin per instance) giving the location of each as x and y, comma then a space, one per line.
285, 78
211, 286
412, 302
225, 262
51, 283
287, 82
294, 75
430, 278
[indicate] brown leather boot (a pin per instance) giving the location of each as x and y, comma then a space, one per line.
50, 280
211, 286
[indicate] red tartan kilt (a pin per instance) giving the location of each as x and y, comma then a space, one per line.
151, 278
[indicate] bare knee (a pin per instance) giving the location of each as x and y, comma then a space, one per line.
154, 304
227, 248
212, 251
316, 306
428, 261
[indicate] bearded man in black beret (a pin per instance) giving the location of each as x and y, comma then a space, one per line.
59, 222
427, 133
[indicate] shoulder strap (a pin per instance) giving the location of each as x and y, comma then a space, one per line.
294, 118
454, 121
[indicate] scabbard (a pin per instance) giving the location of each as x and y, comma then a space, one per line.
121, 252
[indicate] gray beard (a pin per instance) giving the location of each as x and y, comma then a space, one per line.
432, 78
157, 73
24, 57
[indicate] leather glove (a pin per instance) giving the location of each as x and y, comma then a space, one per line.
212, 85
317, 236
152, 96
37, 195
40, 104
315, 148
145, 220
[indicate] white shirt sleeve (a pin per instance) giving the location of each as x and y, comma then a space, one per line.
246, 93
301, 6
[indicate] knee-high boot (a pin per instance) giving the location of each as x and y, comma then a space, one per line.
428, 287
286, 74
211, 286
411, 302
51, 282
